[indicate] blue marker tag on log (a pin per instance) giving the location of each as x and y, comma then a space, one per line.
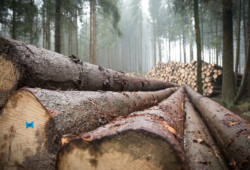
31, 124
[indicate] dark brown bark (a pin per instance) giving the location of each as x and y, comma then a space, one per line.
13, 30
228, 84
153, 138
28, 65
200, 148
58, 113
198, 44
238, 44
230, 131
58, 28
48, 3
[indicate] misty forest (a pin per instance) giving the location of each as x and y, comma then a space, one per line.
137, 80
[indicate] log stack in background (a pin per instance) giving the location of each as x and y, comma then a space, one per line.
180, 73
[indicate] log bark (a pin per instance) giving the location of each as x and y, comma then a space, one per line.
231, 132
58, 113
200, 148
23, 64
151, 139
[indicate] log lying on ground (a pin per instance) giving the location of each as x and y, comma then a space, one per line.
200, 148
145, 140
23, 64
230, 131
56, 113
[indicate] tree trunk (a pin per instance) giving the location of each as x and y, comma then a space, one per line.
159, 46
43, 23
228, 84
198, 44
27, 65
91, 32
94, 33
13, 31
246, 76
143, 140
58, 26
57, 113
230, 131
154, 42
76, 34
217, 43
201, 149
184, 45
238, 44
141, 48
180, 48
190, 33
48, 24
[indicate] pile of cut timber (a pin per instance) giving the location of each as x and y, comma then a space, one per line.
180, 73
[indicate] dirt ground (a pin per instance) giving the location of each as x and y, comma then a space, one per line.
242, 108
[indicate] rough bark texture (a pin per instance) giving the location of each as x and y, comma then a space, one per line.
56, 114
231, 132
151, 139
198, 44
200, 148
23, 64
228, 85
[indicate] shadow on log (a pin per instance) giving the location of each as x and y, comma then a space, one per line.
55, 114
23, 64
151, 139
231, 132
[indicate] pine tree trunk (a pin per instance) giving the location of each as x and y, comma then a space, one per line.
228, 85
154, 43
238, 44
180, 48
217, 44
184, 45
190, 33
48, 24
94, 33
13, 31
91, 32
58, 26
229, 130
152, 139
198, 44
57, 114
70, 35
141, 47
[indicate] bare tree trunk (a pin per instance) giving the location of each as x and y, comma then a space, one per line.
48, 24
94, 33
43, 22
91, 32
13, 30
184, 45
246, 76
238, 44
190, 33
198, 44
143, 140
76, 34
217, 44
180, 48
58, 16
141, 47
70, 35
228, 85
154, 42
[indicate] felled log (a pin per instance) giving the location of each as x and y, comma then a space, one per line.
200, 148
231, 132
145, 140
57, 113
23, 64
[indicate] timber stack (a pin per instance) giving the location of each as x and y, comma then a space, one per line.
180, 74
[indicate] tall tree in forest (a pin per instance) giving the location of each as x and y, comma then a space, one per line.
228, 85
109, 8
238, 45
198, 44
190, 32
58, 26
246, 76
48, 13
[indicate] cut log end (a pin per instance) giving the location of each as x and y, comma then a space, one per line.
8, 78
21, 146
133, 149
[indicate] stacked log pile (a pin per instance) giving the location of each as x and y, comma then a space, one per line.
180, 74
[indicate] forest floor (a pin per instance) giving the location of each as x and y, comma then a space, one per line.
242, 108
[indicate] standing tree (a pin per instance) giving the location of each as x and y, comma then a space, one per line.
198, 44
228, 85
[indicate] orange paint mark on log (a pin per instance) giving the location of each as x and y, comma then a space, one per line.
168, 127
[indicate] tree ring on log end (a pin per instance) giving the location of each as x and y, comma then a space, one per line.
131, 150
21, 146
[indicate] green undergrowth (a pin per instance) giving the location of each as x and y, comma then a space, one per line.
242, 108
